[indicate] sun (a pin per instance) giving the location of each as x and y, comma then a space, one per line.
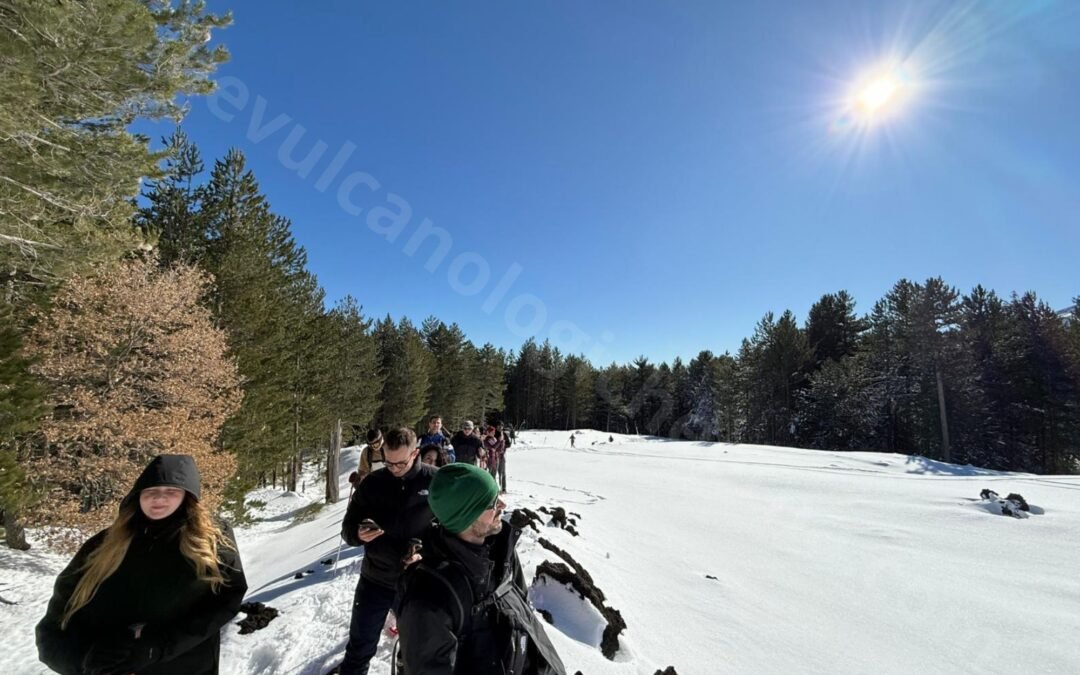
878, 93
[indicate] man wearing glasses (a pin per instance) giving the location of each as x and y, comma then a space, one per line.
465, 607
467, 446
389, 508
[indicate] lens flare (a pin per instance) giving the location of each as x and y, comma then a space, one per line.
882, 92
878, 93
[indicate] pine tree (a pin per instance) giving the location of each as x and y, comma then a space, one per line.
832, 329
353, 391
171, 216
523, 397
1046, 424
488, 382
729, 419
838, 411
21, 405
979, 407
267, 301
311, 367
576, 391
609, 411
76, 75
777, 360
548, 366
405, 366
703, 421
680, 384
452, 394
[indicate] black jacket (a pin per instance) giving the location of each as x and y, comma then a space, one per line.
155, 585
400, 507
466, 447
438, 638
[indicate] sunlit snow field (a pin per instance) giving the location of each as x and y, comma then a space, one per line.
720, 558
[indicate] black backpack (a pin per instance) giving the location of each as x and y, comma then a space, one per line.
452, 576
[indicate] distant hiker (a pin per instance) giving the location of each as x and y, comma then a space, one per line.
494, 450
433, 455
499, 433
389, 508
571, 440
610, 439
371, 457
467, 446
150, 593
436, 435
464, 607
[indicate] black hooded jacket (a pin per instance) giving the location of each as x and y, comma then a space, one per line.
466, 447
397, 505
464, 608
155, 585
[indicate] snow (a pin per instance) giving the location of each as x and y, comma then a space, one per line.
720, 558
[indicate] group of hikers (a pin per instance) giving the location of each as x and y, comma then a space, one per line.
470, 445
150, 594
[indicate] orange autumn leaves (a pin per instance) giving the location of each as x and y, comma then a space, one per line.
135, 368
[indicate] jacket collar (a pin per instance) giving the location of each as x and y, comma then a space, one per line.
415, 470
485, 564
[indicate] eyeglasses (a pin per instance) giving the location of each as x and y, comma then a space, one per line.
498, 503
402, 465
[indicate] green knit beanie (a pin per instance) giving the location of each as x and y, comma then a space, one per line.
459, 493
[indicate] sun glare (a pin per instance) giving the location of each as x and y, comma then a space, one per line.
881, 93
878, 93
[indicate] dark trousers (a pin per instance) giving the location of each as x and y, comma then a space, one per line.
370, 606
502, 472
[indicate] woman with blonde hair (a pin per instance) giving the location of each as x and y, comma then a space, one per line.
150, 594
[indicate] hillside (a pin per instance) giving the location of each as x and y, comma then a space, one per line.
719, 558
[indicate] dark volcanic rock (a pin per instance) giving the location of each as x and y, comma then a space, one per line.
523, 517
258, 617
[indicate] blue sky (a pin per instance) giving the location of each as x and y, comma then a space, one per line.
655, 176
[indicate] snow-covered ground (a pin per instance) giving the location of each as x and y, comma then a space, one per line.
720, 558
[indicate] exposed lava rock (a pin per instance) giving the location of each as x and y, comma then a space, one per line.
258, 617
1013, 497
583, 584
523, 517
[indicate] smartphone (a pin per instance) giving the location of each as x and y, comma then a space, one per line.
368, 524
415, 546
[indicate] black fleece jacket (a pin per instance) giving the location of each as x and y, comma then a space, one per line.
397, 505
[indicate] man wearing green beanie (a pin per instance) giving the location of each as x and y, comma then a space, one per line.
465, 608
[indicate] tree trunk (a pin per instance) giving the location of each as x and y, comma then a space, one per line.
946, 454
14, 533
332, 457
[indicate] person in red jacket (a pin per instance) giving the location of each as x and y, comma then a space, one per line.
495, 451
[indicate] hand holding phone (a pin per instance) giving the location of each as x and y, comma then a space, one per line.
368, 530
412, 553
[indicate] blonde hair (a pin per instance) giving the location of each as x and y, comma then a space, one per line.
200, 541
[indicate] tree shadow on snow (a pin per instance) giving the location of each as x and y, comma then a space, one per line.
320, 573
921, 465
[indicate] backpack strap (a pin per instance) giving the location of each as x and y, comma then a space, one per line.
439, 572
